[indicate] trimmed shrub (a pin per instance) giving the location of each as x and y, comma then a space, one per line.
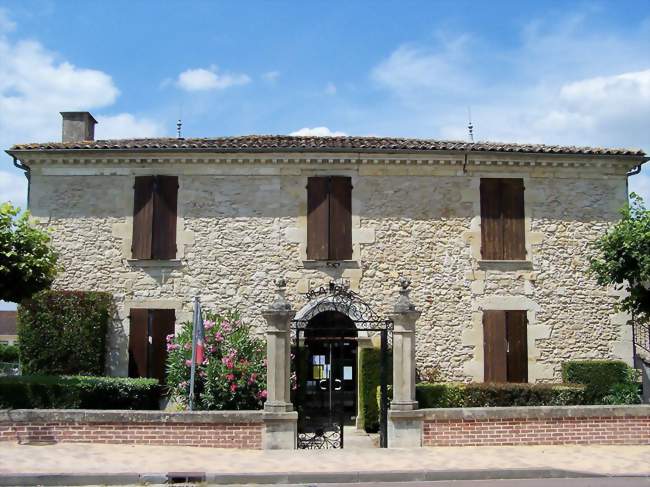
8, 353
369, 382
78, 392
458, 395
63, 333
599, 376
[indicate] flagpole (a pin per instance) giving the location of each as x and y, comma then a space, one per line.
197, 316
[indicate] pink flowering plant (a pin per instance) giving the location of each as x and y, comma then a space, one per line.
232, 375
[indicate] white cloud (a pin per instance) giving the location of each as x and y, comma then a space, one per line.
317, 132
126, 126
271, 76
35, 85
13, 187
201, 79
412, 68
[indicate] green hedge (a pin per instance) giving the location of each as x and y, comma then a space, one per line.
8, 353
63, 333
78, 392
369, 381
456, 395
599, 376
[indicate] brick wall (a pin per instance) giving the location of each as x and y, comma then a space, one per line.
223, 429
224, 435
626, 425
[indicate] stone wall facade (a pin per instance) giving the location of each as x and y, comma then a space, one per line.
242, 223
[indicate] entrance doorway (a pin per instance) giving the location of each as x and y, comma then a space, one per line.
325, 365
330, 388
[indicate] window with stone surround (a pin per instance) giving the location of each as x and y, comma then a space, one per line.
505, 346
503, 231
329, 218
148, 341
154, 217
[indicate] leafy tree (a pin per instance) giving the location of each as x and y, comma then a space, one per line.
623, 257
27, 263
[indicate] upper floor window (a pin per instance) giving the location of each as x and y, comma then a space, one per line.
503, 233
154, 217
329, 218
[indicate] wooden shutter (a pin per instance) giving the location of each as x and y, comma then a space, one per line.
512, 210
164, 217
503, 234
138, 343
340, 224
162, 324
517, 346
317, 218
494, 346
491, 223
142, 217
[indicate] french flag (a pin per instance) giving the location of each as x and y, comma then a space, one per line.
200, 342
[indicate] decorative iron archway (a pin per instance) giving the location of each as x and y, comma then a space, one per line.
329, 323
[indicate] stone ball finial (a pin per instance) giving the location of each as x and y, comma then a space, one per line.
280, 283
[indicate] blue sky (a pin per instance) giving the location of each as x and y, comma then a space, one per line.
532, 71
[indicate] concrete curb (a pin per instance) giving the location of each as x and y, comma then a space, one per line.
55, 479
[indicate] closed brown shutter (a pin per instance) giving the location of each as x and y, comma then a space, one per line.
517, 346
503, 235
142, 217
512, 209
138, 343
340, 227
491, 222
164, 218
317, 218
494, 346
162, 324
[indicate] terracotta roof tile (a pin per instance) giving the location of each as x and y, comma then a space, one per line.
287, 143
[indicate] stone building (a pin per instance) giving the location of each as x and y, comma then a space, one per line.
494, 237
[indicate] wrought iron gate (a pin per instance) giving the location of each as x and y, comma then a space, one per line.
324, 363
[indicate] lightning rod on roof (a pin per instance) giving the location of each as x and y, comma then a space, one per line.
179, 124
470, 127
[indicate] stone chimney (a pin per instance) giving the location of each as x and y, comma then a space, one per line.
78, 126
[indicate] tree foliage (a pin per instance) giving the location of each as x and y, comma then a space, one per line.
623, 257
27, 262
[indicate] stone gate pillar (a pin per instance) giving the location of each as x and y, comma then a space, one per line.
404, 422
280, 421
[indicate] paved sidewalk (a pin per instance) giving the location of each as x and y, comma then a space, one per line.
473, 462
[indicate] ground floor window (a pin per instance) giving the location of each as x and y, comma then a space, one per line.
505, 346
147, 341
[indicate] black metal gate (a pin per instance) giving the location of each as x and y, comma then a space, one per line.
325, 365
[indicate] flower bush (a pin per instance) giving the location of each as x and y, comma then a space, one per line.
232, 375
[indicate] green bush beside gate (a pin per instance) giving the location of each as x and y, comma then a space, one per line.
369, 382
458, 395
